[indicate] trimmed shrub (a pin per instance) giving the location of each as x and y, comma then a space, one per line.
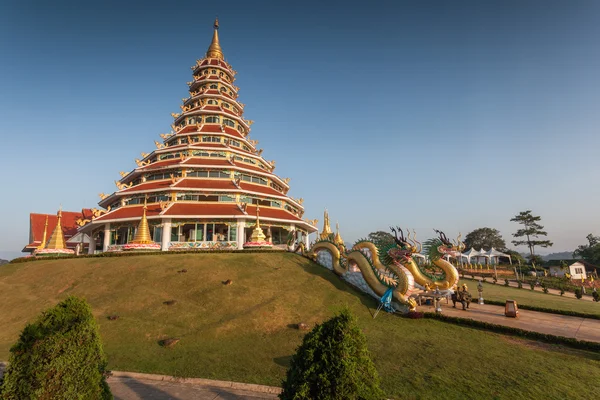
532, 285
578, 293
562, 290
520, 284
596, 296
332, 363
59, 356
506, 282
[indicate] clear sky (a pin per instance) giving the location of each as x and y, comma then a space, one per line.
426, 114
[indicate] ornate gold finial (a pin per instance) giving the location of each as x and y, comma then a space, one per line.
57, 240
257, 234
123, 174
142, 235
326, 233
102, 196
214, 50
43, 244
338, 238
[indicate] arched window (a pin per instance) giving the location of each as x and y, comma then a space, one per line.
211, 101
214, 86
224, 89
228, 122
226, 105
214, 119
240, 129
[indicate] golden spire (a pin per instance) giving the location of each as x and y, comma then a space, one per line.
43, 244
338, 238
142, 235
57, 240
257, 217
214, 50
257, 234
326, 233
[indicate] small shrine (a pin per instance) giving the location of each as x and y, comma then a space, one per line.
56, 245
258, 238
142, 241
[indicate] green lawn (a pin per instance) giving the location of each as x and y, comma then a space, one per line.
242, 331
499, 292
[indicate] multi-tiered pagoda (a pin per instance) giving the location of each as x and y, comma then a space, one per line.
201, 186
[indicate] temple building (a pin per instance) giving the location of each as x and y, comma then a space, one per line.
41, 227
201, 186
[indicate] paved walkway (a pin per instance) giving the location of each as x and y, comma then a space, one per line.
553, 324
140, 389
135, 386
514, 284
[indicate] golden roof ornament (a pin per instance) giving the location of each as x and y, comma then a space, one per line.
142, 235
326, 233
257, 234
43, 244
338, 238
214, 50
57, 240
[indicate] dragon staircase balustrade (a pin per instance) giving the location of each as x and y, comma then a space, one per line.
390, 264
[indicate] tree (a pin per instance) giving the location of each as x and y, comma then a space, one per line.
531, 232
333, 363
485, 238
59, 356
381, 237
589, 252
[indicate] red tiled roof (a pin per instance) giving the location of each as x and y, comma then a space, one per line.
37, 223
228, 111
211, 128
211, 91
204, 62
148, 186
259, 188
213, 77
189, 128
212, 108
129, 212
198, 183
199, 209
233, 132
250, 167
214, 62
278, 213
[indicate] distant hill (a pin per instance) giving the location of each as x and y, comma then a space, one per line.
2, 262
564, 255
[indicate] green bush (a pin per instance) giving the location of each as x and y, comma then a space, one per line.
532, 285
596, 296
332, 363
578, 293
562, 290
506, 282
59, 356
520, 284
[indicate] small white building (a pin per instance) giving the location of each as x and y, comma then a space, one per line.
576, 270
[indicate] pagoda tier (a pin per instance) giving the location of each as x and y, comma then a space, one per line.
204, 180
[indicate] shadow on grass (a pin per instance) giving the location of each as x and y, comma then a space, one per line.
330, 276
283, 361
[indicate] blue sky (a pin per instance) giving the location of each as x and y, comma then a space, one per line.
429, 114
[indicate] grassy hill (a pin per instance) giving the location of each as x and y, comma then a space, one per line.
243, 332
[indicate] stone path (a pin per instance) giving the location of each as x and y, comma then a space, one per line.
554, 324
138, 389
136, 386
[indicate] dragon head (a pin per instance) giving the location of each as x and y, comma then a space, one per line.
453, 248
404, 248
